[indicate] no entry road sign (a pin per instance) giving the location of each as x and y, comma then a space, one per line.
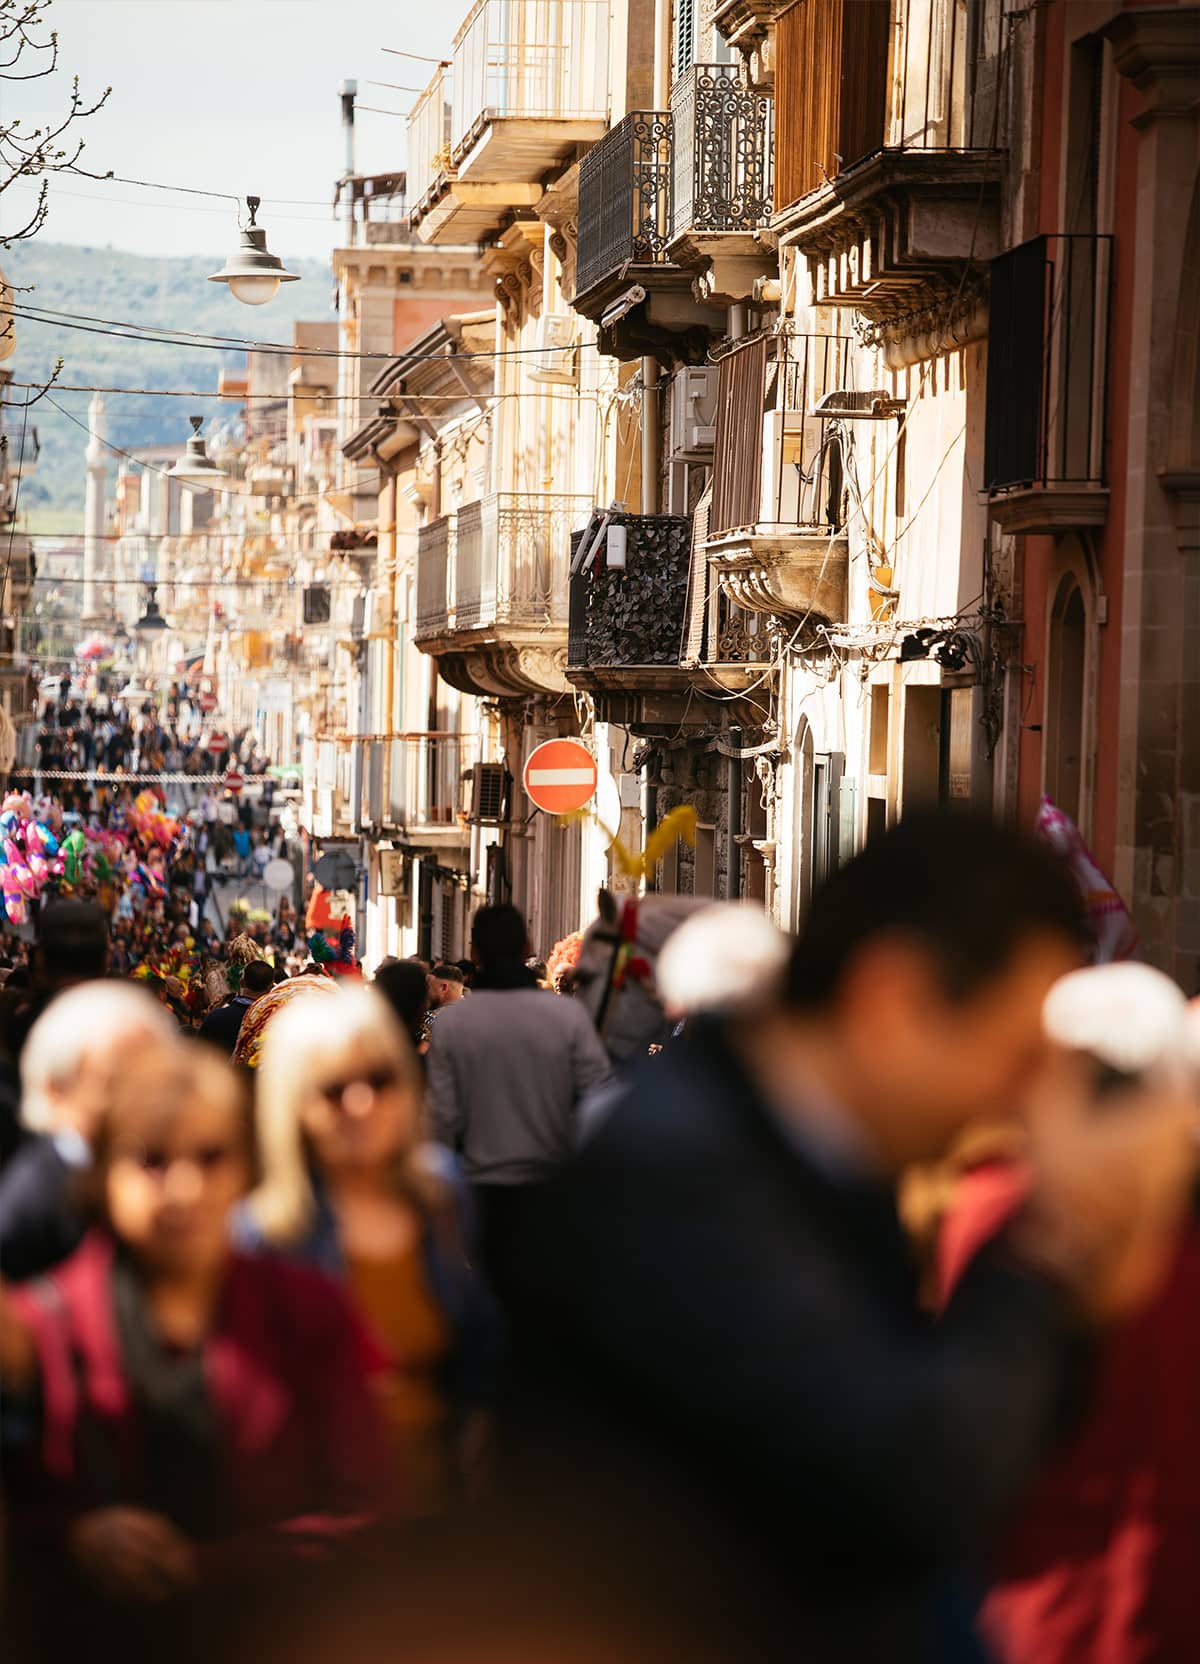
560, 775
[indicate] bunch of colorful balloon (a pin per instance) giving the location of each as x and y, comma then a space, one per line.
149, 822
30, 855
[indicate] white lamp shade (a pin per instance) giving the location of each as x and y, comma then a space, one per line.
254, 291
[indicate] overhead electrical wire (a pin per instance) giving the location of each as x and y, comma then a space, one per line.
288, 398
210, 340
417, 57
197, 207
193, 190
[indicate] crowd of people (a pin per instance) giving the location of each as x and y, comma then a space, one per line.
94, 726
698, 1294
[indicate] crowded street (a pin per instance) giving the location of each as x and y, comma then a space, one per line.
599, 832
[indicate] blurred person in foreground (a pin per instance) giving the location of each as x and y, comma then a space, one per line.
508, 1069
71, 1066
202, 1417
730, 1394
1097, 1564
348, 1186
71, 947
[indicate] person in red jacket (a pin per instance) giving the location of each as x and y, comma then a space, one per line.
1098, 1563
194, 1419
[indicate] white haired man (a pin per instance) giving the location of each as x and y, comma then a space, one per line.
73, 1054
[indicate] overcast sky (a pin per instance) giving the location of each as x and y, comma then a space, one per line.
223, 95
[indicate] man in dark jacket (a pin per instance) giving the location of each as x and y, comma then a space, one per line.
735, 1404
224, 1025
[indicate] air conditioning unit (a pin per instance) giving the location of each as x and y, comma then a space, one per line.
555, 357
693, 413
489, 788
795, 468
872, 404
395, 871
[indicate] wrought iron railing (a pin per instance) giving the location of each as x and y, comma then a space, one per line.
945, 92
625, 198
425, 779
428, 139
721, 152
780, 465
402, 782
435, 554
634, 616
510, 566
1047, 367
535, 59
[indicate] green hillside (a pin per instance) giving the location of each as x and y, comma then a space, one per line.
171, 293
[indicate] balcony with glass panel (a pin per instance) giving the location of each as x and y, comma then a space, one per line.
527, 87
492, 592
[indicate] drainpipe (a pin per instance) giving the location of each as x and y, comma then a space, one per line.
649, 807
548, 271
662, 53
733, 820
737, 321
650, 435
650, 394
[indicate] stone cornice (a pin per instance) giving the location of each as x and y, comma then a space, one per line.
744, 23
1158, 49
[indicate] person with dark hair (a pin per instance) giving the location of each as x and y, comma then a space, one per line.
223, 1026
507, 1071
404, 984
722, 1353
446, 987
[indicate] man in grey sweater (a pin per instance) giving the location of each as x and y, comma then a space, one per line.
508, 1068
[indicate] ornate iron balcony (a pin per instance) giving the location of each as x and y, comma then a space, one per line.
721, 153
634, 618
625, 198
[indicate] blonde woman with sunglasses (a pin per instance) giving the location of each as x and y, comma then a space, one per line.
348, 1184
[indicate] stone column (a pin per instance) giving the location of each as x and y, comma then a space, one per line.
1158, 808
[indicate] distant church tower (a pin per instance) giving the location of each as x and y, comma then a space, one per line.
93, 522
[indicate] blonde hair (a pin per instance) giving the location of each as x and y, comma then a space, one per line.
297, 1043
95, 1017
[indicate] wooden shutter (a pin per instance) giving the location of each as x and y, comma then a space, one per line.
737, 457
862, 114
698, 580
685, 36
830, 90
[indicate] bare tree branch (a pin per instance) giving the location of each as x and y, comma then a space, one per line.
38, 152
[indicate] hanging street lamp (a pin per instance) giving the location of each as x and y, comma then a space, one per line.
252, 272
152, 620
195, 466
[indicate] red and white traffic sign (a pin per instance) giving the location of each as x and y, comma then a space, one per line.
234, 781
217, 744
560, 775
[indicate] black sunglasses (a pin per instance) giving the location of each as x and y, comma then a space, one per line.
377, 1079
